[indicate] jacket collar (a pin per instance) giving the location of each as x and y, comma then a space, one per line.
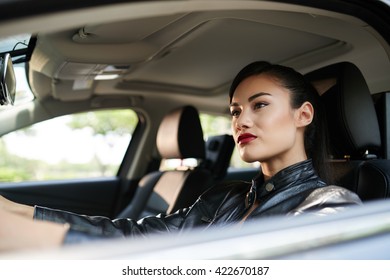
295, 174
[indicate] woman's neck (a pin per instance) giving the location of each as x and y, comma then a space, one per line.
270, 168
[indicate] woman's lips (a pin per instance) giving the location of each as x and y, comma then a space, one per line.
245, 138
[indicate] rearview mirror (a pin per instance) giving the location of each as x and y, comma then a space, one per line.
7, 81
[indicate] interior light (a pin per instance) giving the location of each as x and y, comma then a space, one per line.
106, 76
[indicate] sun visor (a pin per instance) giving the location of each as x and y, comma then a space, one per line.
70, 90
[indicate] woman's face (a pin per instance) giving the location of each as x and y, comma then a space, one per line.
265, 127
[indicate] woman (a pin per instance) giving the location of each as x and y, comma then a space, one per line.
276, 120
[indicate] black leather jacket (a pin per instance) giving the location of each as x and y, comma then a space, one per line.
294, 190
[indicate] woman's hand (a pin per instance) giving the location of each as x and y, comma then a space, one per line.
16, 208
20, 233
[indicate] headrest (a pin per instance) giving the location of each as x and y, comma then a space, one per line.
351, 116
180, 135
219, 149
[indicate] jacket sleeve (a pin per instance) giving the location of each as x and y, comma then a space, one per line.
327, 200
88, 228
84, 228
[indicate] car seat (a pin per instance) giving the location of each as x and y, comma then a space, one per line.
219, 150
180, 136
354, 132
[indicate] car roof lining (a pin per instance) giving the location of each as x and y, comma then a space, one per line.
162, 55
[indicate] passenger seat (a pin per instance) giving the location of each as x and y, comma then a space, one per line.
180, 136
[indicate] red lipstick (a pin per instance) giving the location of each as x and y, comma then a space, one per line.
245, 138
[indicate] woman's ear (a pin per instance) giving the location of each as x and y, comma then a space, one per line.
304, 114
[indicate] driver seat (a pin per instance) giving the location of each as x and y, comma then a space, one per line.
354, 133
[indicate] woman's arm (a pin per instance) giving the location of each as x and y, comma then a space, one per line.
20, 233
83, 228
51, 227
16, 208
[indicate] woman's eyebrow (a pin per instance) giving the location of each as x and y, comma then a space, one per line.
257, 95
251, 98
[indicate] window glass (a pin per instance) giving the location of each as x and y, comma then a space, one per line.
211, 125
216, 125
23, 92
82, 145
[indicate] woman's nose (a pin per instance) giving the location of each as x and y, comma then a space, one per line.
243, 121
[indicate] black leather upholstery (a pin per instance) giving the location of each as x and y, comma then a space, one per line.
374, 179
354, 127
219, 150
354, 132
180, 136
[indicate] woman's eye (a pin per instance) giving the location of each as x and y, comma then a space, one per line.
259, 105
234, 113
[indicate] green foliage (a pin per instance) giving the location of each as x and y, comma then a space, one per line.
117, 122
12, 175
214, 125
109, 122
104, 123
15, 169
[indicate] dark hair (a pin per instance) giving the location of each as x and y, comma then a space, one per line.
316, 139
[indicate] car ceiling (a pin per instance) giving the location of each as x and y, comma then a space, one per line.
196, 48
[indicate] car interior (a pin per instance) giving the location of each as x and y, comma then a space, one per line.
172, 61
355, 139
180, 136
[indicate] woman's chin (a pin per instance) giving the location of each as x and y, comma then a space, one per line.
248, 159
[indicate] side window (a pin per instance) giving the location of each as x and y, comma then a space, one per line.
83, 145
216, 125
211, 125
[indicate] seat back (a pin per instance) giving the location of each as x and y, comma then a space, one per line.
354, 133
219, 150
180, 136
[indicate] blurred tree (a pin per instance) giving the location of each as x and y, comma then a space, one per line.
117, 122
107, 124
214, 125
